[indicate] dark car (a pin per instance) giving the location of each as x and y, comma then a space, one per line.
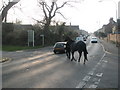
84, 38
59, 47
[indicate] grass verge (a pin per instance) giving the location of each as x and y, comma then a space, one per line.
16, 48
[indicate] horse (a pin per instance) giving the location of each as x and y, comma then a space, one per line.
72, 46
68, 48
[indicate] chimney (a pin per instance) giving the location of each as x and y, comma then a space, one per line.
70, 23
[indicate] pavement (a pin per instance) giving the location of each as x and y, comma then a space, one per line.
111, 69
110, 47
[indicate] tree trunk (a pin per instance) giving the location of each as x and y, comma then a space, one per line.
46, 27
5, 10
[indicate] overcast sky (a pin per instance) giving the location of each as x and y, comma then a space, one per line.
88, 14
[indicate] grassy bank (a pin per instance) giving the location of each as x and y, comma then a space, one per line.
16, 48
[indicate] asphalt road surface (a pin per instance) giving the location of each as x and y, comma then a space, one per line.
43, 69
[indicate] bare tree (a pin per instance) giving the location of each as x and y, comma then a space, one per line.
50, 11
6, 9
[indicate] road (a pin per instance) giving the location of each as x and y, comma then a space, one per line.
43, 69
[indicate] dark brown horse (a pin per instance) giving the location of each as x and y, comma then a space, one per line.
72, 46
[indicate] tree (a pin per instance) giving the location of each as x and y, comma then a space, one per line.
101, 34
61, 30
50, 12
6, 9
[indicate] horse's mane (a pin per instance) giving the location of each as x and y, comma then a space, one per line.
71, 41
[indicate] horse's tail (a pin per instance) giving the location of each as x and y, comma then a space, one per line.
85, 51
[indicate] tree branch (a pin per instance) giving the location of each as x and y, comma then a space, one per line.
57, 8
38, 21
61, 15
47, 7
5, 10
52, 6
43, 8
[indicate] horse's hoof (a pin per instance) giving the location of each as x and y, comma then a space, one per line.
68, 58
75, 60
86, 59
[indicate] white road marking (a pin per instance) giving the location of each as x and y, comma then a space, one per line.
105, 50
81, 85
91, 73
97, 82
99, 74
86, 78
105, 61
92, 86
98, 63
103, 56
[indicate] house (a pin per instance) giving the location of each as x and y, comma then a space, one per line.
23, 27
111, 27
74, 28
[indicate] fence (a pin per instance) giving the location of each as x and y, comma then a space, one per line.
114, 37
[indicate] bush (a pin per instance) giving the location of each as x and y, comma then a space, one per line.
20, 37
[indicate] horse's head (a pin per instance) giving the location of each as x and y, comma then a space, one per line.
67, 39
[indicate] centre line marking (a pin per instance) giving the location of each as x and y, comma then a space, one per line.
86, 78
91, 73
99, 74
81, 85
92, 86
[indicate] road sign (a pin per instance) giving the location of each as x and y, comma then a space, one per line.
30, 37
42, 39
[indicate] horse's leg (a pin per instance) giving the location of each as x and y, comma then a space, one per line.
85, 53
80, 53
85, 57
73, 56
68, 54
85, 50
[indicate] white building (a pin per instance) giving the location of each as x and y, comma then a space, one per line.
119, 10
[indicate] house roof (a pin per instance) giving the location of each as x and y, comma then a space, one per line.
73, 27
22, 27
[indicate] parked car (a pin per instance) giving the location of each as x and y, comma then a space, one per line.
59, 47
84, 38
94, 40
79, 39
